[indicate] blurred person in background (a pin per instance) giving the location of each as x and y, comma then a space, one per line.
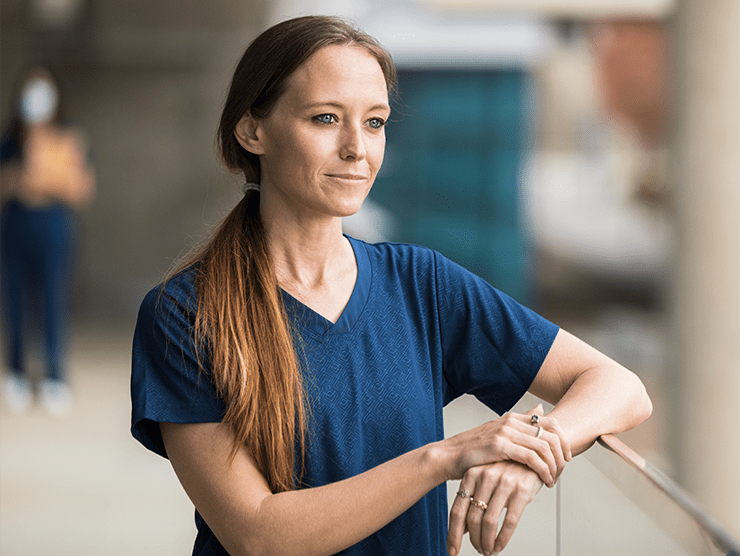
44, 178
295, 377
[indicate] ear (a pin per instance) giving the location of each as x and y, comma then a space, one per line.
247, 133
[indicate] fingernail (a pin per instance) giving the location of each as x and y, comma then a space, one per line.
452, 551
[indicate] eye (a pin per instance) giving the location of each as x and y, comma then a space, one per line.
325, 119
376, 123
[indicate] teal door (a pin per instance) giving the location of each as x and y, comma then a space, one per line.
451, 174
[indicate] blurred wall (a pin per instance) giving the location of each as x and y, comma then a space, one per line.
146, 81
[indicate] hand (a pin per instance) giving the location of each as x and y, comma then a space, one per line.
507, 484
554, 435
512, 437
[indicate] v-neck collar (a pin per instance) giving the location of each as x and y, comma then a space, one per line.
308, 319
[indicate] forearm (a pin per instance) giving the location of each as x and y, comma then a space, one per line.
330, 518
602, 400
592, 394
234, 499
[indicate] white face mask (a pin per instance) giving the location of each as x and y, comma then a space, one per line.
39, 101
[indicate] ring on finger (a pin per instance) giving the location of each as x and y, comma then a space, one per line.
464, 493
478, 504
535, 420
540, 430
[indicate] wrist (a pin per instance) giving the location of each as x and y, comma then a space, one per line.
436, 458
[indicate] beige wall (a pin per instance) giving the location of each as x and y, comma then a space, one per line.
707, 270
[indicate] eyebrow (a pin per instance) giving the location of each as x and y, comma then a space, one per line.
340, 105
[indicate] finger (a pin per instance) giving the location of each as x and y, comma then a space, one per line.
516, 505
553, 441
474, 519
526, 417
547, 447
458, 517
530, 428
535, 460
496, 506
522, 432
485, 479
536, 410
554, 427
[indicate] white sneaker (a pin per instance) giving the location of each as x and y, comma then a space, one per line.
17, 393
55, 396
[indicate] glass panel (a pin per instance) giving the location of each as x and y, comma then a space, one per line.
657, 517
609, 501
598, 518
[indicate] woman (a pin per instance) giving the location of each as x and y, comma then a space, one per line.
295, 377
45, 177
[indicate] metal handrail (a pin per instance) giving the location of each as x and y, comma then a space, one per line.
677, 513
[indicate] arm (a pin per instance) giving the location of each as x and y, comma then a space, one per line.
593, 395
247, 518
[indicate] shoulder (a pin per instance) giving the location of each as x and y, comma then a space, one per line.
401, 257
177, 295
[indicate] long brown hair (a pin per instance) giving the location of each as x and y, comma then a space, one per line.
241, 319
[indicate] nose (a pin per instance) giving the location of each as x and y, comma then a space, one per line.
353, 143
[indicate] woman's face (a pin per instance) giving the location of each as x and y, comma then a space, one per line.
322, 145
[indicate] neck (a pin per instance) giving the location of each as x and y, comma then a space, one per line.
307, 254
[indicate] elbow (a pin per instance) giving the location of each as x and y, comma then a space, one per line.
238, 541
642, 404
647, 404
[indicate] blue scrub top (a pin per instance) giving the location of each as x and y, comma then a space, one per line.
417, 332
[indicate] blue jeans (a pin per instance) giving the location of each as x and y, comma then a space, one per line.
36, 246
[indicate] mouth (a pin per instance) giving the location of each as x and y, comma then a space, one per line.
349, 177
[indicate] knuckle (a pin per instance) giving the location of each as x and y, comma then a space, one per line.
457, 512
510, 522
507, 482
490, 472
490, 519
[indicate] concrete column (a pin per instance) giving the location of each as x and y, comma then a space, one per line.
707, 270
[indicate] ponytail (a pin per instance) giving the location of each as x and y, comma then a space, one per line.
241, 322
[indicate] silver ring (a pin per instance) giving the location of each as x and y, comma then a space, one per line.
478, 504
535, 420
463, 493
540, 430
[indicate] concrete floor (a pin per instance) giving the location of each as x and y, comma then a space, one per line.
80, 485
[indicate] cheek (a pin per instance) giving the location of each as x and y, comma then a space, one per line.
377, 153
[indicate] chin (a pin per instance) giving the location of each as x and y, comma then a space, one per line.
348, 206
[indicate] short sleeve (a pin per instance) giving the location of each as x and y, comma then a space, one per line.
167, 384
493, 346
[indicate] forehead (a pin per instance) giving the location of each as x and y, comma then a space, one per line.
338, 73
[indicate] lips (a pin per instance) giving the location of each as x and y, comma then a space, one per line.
352, 177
